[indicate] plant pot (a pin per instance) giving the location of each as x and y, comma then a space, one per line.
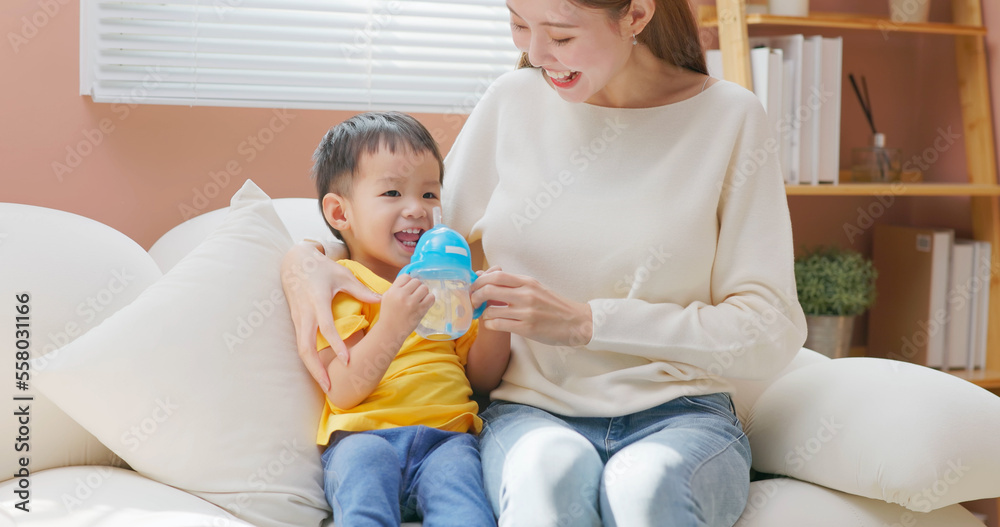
829, 335
909, 11
788, 7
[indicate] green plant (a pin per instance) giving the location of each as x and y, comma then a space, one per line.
834, 281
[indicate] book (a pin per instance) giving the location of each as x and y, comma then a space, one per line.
789, 131
809, 114
907, 321
983, 270
961, 305
831, 91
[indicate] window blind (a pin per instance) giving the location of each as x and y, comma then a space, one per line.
408, 55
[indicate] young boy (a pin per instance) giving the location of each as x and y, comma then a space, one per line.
399, 421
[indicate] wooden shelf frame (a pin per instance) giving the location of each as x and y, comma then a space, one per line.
731, 19
894, 189
708, 17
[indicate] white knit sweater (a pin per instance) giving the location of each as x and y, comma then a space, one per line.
670, 221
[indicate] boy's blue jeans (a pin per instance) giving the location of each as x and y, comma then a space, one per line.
383, 477
684, 463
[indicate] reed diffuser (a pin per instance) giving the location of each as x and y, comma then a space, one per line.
875, 163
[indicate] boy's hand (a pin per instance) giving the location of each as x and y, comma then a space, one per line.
404, 304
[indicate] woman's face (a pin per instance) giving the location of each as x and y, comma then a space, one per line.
580, 50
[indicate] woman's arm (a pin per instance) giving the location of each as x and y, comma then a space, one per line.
310, 280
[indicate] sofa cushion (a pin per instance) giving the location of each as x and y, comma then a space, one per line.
197, 383
883, 429
76, 272
786, 502
108, 497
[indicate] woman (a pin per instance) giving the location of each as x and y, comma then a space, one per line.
637, 211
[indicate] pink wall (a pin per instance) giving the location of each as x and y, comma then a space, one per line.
151, 166
154, 162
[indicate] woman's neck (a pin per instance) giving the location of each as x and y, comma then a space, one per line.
646, 81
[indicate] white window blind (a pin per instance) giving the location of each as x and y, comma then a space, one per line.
408, 55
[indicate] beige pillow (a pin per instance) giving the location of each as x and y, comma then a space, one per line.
882, 429
197, 384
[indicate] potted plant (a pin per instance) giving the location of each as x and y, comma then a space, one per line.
834, 286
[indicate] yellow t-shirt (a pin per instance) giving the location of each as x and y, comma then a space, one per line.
424, 385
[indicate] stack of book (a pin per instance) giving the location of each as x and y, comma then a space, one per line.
932, 299
798, 80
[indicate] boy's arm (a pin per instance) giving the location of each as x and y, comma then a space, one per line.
403, 305
488, 357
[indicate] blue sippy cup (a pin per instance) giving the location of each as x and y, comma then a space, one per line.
441, 261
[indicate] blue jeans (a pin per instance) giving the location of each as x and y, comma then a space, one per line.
384, 477
684, 463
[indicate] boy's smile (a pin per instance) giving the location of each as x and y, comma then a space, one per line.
390, 206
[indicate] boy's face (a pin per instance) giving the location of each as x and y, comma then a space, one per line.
390, 207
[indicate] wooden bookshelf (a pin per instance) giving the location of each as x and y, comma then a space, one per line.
709, 18
894, 189
968, 31
989, 379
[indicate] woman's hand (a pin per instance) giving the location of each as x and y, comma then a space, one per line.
311, 280
519, 304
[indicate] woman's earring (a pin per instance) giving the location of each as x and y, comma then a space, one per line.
635, 41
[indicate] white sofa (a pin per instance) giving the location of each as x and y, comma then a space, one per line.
187, 405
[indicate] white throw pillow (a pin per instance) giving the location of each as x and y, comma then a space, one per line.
882, 429
197, 384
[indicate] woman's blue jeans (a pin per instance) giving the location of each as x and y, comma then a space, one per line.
684, 463
382, 477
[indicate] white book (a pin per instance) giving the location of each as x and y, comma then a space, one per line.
983, 271
941, 266
713, 59
775, 97
810, 113
789, 133
758, 73
958, 328
831, 90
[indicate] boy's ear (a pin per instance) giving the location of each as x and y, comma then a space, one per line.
336, 211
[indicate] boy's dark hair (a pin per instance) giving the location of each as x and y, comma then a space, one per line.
339, 154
